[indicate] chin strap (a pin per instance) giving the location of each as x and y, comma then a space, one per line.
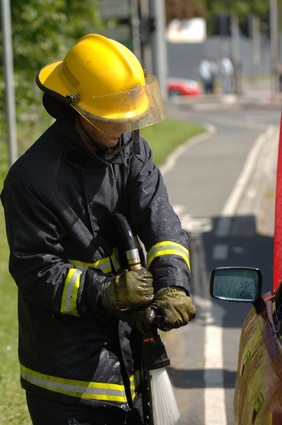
136, 141
111, 153
89, 137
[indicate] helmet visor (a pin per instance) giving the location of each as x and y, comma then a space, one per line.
125, 111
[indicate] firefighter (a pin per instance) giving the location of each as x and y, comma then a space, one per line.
79, 361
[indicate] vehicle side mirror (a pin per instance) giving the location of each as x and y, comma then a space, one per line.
240, 284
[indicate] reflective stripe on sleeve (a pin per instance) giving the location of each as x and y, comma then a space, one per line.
72, 282
135, 381
115, 259
105, 264
82, 389
69, 298
168, 248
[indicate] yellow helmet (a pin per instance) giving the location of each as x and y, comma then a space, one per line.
104, 81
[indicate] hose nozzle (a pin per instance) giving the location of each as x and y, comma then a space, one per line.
153, 350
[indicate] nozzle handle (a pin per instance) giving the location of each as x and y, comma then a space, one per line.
154, 317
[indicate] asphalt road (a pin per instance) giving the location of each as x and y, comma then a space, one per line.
222, 185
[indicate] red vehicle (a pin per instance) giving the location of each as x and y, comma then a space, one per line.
258, 392
182, 87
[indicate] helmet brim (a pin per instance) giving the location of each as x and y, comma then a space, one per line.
51, 80
126, 111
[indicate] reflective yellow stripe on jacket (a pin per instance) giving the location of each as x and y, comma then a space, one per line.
82, 389
106, 264
69, 298
72, 281
168, 248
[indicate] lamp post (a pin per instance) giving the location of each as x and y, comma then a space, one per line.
9, 79
274, 40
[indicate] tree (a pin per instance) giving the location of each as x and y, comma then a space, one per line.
184, 9
43, 31
208, 9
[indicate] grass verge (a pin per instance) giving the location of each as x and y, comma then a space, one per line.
165, 136
13, 410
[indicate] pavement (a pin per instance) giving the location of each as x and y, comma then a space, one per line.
261, 94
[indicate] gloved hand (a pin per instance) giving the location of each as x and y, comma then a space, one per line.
140, 319
130, 289
175, 307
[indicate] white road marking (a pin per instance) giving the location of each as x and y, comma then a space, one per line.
214, 393
220, 252
193, 224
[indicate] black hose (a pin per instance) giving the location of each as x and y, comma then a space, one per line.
129, 243
125, 232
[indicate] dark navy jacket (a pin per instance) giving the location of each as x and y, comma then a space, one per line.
59, 202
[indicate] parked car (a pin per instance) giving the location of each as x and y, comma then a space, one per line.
183, 87
258, 391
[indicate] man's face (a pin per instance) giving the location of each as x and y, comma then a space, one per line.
104, 140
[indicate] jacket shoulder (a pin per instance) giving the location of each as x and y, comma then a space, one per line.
40, 159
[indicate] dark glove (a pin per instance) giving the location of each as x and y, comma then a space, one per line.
128, 290
175, 307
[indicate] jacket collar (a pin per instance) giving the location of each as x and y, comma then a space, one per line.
79, 156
